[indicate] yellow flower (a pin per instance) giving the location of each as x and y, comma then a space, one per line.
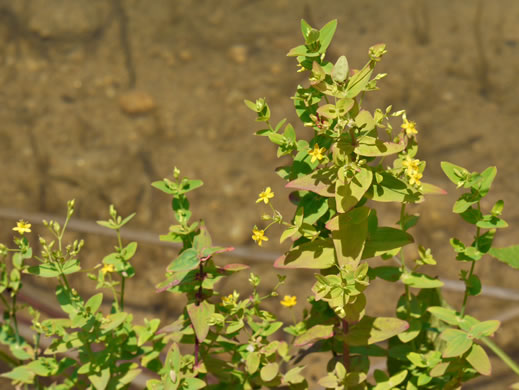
107, 268
414, 177
316, 153
411, 164
409, 127
22, 227
265, 195
289, 301
259, 236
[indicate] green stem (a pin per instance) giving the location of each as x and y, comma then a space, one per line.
471, 271
123, 279
15, 321
501, 354
466, 294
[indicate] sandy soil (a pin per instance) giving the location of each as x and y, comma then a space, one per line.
99, 98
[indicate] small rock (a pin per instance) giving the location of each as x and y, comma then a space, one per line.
238, 53
136, 102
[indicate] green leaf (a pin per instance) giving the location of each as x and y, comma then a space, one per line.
94, 303
373, 330
349, 234
508, 255
65, 300
415, 327
194, 384
359, 81
473, 285
129, 251
458, 342
317, 254
293, 376
385, 239
300, 50
349, 191
71, 266
455, 173
484, 329
21, 374
385, 383
161, 185
478, 359
445, 314
464, 202
47, 270
390, 189
491, 222
199, 316
419, 280
340, 70
113, 321
188, 185
315, 333
326, 34
269, 372
487, 177
329, 111
391, 274
322, 182
252, 362
374, 147
100, 381
186, 261
429, 188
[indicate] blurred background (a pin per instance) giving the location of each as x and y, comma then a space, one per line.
99, 98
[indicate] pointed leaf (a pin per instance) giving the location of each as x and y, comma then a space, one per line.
186, 261
373, 330
322, 182
374, 147
349, 234
385, 239
315, 333
349, 191
317, 254
478, 359
445, 314
508, 255
326, 34
199, 316
419, 280
458, 342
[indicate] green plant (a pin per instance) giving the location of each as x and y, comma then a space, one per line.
351, 161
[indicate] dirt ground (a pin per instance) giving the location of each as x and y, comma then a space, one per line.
99, 98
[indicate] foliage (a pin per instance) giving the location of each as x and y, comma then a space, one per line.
338, 175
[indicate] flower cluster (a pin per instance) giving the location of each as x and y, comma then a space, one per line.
412, 170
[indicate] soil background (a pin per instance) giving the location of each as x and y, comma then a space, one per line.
99, 98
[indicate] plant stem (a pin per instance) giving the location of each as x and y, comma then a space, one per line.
123, 279
466, 294
501, 354
15, 321
471, 271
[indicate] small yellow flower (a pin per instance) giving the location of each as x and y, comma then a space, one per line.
107, 268
289, 301
22, 227
409, 127
411, 164
316, 153
414, 177
265, 196
259, 236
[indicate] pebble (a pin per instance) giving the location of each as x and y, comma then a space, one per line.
238, 53
136, 102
